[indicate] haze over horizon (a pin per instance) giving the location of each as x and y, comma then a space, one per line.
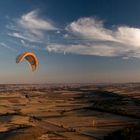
93, 41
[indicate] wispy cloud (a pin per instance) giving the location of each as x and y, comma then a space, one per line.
31, 27
94, 39
98, 49
25, 36
86, 36
32, 21
90, 28
7, 47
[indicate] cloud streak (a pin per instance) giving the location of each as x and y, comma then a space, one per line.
7, 47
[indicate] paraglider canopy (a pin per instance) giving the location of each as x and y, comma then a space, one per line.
31, 59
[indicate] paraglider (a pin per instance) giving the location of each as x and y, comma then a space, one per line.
31, 59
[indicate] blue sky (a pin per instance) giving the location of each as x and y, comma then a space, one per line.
75, 40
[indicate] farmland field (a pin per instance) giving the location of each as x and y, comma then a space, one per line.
67, 112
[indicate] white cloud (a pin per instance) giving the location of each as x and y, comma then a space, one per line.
86, 49
31, 27
90, 28
128, 36
32, 21
95, 39
86, 36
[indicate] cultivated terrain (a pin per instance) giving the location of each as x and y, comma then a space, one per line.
70, 112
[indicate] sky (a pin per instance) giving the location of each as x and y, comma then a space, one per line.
76, 41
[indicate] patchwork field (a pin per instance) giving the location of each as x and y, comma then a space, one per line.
67, 112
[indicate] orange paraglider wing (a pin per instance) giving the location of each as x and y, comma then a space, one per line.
31, 59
